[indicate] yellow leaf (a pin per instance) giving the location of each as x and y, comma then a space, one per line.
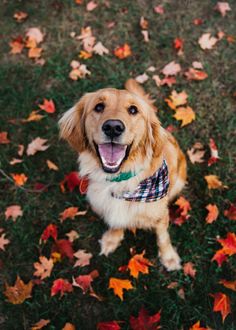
176, 99
51, 165
187, 115
213, 182
119, 285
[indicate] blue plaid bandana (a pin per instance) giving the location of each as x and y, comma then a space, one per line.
151, 189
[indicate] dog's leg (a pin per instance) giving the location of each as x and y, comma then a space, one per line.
111, 240
168, 255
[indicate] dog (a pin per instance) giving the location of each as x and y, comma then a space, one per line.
135, 167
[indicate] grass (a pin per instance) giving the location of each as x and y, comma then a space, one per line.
24, 84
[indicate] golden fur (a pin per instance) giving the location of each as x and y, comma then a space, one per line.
151, 143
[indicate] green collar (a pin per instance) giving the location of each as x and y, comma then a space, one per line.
123, 176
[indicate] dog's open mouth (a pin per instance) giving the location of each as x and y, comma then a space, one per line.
112, 155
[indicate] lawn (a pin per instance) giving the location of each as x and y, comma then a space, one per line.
182, 299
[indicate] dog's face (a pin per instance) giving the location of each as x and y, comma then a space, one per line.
114, 125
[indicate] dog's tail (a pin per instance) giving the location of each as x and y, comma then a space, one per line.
133, 87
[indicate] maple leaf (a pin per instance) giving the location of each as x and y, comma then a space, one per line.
18, 293
64, 247
176, 99
100, 49
214, 153
197, 21
3, 241
213, 182
51, 165
33, 116
221, 304
193, 74
197, 65
119, 286
169, 81
35, 34
62, 286
69, 326
123, 51
171, 69
40, 324
15, 161
159, 9
142, 78
91, 5
222, 7
73, 180
49, 231
35, 52
112, 325
48, 106
213, 213
85, 55
72, 235
79, 72
138, 264
228, 244
87, 38
13, 211
3, 138
19, 179
84, 281
206, 41
70, 212
182, 211
229, 284
186, 114
36, 145
219, 257
83, 258
231, 212
197, 326
189, 269
144, 321
43, 268
17, 45
145, 35
20, 16
196, 155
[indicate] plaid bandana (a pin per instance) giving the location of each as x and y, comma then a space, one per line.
151, 189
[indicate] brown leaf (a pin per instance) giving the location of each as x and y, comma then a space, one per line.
222, 7
231, 212
18, 293
20, 16
171, 69
196, 156
3, 241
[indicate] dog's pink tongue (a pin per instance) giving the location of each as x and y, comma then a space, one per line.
112, 154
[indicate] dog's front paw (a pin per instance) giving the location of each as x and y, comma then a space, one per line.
110, 241
171, 260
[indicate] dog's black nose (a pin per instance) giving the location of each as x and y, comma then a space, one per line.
113, 128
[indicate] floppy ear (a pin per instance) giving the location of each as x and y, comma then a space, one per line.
72, 125
133, 87
156, 135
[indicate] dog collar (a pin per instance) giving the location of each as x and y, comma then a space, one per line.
123, 176
150, 189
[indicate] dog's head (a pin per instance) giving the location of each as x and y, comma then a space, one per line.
115, 126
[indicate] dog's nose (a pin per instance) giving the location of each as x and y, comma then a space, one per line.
113, 128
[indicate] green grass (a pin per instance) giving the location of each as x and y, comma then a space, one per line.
23, 85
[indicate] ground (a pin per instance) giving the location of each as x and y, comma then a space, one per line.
24, 84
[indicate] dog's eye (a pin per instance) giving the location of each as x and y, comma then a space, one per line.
99, 107
133, 110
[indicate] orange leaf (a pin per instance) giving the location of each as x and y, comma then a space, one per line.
189, 269
17, 45
221, 304
48, 106
3, 241
184, 205
40, 324
123, 51
20, 179
213, 213
43, 268
35, 52
213, 182
33, 116
177, 99
229, 284
85, 55
187, 115
197, 326
51, 165
119, 285
3, 138
138, 264
193, 74
228, 244
68, 326
70, 212
18, 293
20, 16
219, 257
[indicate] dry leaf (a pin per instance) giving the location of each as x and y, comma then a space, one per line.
119, 286
51, 165
70, 212
13, 211
48, 106
100, 49
85, 55
145, 35
3, 241
35, 146
35, 52
20, 16
15, 161
231, 212
143, 23
193, 74
213, 182
189, 269
171, 69
159, 9
206, 41
142, 78
62, 286
91, 5
19, 179
72, 235
138, 264
40, 324
187, 115
3, 138
213, 213
197, 326
33, 116
214, 153
43, 267
229, 284
123, 51
177, 99
196, 155
221, 304
222, 7
18, 293
197, 65
36, 34
17, 45
83, 258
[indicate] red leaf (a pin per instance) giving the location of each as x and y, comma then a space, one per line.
112, 325
48, 106
72, 180
49, 231
231, 212
62, 286
178, 43
3, 138
144, 321
220, 257
64, 247
221, 304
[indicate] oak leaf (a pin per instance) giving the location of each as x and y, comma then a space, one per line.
36, 145
221, 304
43, 268
144, 321
62, 286
13, 211
119, 286
185, 114
213, 213
138, 264
18, 293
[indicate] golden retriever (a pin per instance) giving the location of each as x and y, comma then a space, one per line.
123, 150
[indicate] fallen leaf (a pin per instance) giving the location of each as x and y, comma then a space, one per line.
142, 78
206, 41
3, 138
15, 161
123, 51
197, 326
51, 165
33, 116
36, 145
71, 212
91, 5
112, 325
231, 212
72, 235
222, 7
48, 106
182, 213
84, 281
73, 180
85, 55
79, 73
69, 326
3, 241
18, 293
145, 35
228, 244
221, 304
61, 286
119, 286
13, 211
43, 267
196, 155
197, 65
40, 324
88, 40
178, 43
229, 284
83, 258
100, 49
143, 23
219, 257
17, 45
193, 74
144, 321
159, 9
213, 213
214, 153
35, 52
197, 21
20, 16
189, 269
19, 179
169, 81
64, 247
213, 182
176, 99
171, 69
138, 264
185, 114
49, 231
36, 34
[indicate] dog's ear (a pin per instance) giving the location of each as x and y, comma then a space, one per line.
72, 125
156, 135
133, 87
